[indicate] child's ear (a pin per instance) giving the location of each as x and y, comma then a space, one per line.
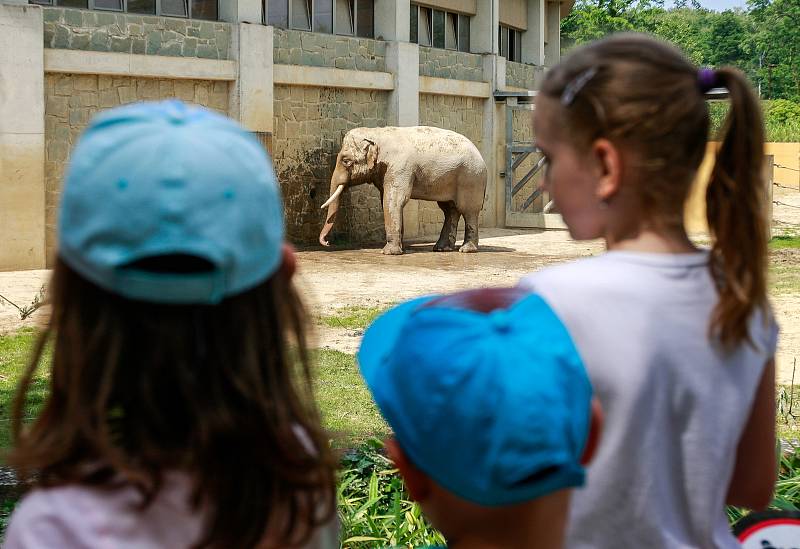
595, 430
288, 261
416, 481
609, 162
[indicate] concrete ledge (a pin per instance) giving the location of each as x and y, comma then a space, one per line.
535, 220
145, 66
461, 88
324, 77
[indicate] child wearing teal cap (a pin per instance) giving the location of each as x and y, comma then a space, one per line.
178, 413
493, 421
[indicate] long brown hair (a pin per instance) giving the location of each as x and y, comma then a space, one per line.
219, 392
644, 95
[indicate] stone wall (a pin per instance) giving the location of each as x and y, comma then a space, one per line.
521, 75
292, 47
450, 64
460, 114
127, 33
71, 100
309, 126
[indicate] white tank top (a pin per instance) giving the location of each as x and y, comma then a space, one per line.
675, 405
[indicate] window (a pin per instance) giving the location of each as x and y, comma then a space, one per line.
344, 17
425, 30
451, 31
440, 29
323, 16
347, 17
510, 43
193, 9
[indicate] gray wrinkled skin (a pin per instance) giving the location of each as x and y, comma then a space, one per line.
419, 162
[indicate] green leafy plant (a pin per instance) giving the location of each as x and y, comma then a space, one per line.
374, 507
782, 111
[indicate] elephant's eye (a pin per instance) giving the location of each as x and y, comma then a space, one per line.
347, 162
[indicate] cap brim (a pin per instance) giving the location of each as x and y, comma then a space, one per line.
379, 343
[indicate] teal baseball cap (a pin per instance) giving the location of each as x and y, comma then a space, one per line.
166, 179
494, 406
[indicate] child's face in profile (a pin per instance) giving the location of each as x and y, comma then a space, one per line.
569, 176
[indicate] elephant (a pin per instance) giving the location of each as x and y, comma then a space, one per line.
419, 162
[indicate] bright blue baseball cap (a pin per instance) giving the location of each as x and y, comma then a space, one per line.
495, 407
163, 179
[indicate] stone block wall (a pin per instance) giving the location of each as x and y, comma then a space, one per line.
75, 29
309, 124
292, 47
460, 114
450, 64
71, 100
521, 75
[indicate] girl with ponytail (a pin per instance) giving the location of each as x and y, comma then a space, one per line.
679, 342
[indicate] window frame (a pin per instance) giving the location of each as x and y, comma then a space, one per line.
91, 5
353, 17
457, 16
513, 49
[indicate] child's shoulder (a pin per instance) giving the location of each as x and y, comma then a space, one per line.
569, 272
48, 517
78, 516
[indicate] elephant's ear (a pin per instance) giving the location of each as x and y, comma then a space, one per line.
371, 151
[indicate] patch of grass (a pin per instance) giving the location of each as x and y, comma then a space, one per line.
784, 241
784, 279
14, 353
347, 407
353, 317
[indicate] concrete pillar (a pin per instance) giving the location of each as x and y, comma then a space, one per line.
494, 140
483, 28
241, 11
552, 48
252, 94
392, 20
402, 60
533, 51
22, 192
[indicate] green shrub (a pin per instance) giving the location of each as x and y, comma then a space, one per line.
781, 119
374, 507
782, 111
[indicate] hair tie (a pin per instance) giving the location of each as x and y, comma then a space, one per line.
707, 79
576, 85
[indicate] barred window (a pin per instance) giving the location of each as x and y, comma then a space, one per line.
347, 17
438, 28
193, 9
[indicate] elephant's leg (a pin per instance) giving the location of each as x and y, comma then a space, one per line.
447, 238
395, 198
470, 232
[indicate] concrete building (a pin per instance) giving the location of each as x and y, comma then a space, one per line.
298, 73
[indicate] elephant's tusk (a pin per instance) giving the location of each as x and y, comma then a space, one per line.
548, 207
333, 197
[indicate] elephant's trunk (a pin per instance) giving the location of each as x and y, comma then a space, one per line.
337, 187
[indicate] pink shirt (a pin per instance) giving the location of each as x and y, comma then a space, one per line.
75, 516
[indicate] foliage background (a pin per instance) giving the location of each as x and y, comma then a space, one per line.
762, 40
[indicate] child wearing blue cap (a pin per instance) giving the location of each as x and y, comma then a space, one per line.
180, 409
679, 341
492, 421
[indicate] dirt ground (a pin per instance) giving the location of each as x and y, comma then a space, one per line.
336, 278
